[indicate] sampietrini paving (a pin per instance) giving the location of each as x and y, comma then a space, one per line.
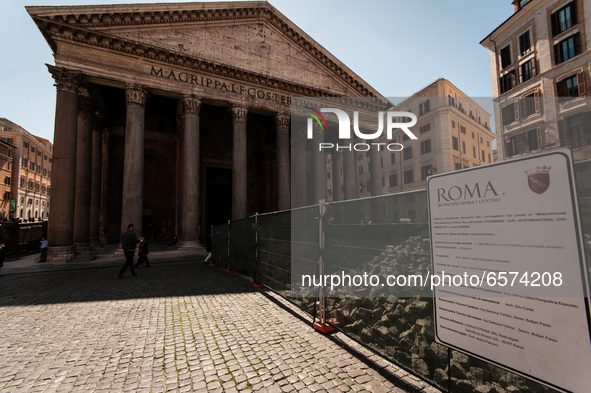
178, 326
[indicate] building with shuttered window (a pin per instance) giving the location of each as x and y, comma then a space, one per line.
539, 59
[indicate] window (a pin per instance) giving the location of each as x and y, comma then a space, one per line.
381, 162
530, 104
567, 49
10, 152
392, 158
524, 43
453, 124
361, 169
474, 151
45, 158
30, 184
32, 166
49, 174
464, 147
532, 139
44, 189
383, 181
510, 113
25, 162
360, 157
426, 146
506, 57
454, 143
405, 137
45, 172
507, 81
25, 144
327, 174
6, 195
8, 165
489, 161
564, 18
32, 149
50, 160
393, 180
527, 71
426, 171
49, 192
38, 168
575, 131
571, 87
472, 135
7, 180
23, 180
408, 153
424, 107
512, 146
452, 101
457, 166
39, 152
483, 156
425, 128
37, 186
463, 129
408, 177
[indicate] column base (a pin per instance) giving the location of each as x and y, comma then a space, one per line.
57, 253
82, 247
191, 245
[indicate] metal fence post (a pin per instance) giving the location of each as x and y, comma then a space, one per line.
321, 325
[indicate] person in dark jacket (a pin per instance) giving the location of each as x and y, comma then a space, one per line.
2, 254
128, 243
143, 253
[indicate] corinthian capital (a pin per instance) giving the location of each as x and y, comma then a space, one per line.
65, 80
191, 104
136, 95
282, 120
239, 114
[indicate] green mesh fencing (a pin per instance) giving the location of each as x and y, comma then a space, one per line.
243, 246
381, 235
220, 245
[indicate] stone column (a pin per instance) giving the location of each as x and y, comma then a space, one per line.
375, 172
349, 174
83, 174
189, 170
95, 186
60, 229
104, 187
319, 180
283, 166
337, 177
239, 163
299, 187
133, 166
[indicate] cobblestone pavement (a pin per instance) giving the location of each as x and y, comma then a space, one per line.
179, 326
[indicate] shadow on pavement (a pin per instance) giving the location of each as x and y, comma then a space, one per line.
182, 278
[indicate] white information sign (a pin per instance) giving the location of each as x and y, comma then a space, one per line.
507, 250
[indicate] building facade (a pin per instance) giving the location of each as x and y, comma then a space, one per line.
453, 133
7, 203
176, 116
539, 60
30, 167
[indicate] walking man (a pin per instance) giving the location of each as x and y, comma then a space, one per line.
44, 246
143, 253
128, 243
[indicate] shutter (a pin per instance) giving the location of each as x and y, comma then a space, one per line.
516, 108
561, 89
556, 54
577, 44
562, 132
520, 74
506, 147
537, 101
540, 137
554, 23
533, 67
573, 13
581, 82
521, 143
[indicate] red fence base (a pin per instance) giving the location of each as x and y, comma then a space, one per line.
323, 328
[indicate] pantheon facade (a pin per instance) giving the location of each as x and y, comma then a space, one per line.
176, 117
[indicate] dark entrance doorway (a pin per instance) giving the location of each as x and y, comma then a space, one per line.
218, 199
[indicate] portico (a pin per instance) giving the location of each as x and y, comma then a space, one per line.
189, 119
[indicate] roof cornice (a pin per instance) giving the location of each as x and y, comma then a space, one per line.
84, 24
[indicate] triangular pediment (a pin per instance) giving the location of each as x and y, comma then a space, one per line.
251, 37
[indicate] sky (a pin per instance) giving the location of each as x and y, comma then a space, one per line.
397, 46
